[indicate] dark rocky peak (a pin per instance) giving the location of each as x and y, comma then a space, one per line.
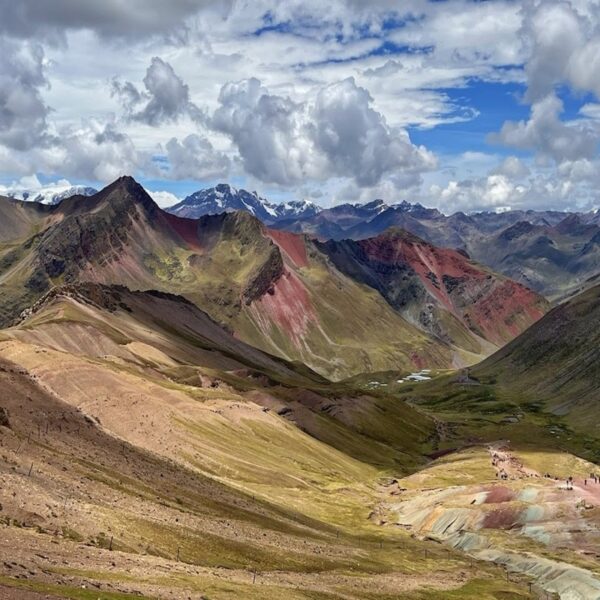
519, 229
121, 195
569, 223
417, 210
573, 224
377, 204
127, 189
398, 234
240, 224
462, 218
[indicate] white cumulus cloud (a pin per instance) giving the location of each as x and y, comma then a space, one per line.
195, 158
166, 97
23, 113
335, 132
547, 135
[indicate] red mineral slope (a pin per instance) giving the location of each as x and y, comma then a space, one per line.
186, 229
430, 263
494, 307
444, 290
292, 244
506, 311
288, 306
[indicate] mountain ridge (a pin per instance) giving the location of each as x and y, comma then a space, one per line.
276, 290
552, 252
52, 194
226, 198
441, 290
506, 242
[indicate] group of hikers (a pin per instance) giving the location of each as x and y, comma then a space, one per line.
569, 480
502, 473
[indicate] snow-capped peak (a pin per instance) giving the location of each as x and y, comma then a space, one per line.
49, 194
226, 198
376, 206
405, 206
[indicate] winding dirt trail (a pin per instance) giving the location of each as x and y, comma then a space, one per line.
506, 464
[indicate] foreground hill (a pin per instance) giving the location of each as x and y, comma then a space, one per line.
170, 341
145, 328
148, 453
149, 450
278, 291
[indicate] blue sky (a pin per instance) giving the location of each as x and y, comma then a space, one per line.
458, 104
493, 104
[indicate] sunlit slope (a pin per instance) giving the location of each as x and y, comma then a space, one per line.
146, 329
166, 340
556, 361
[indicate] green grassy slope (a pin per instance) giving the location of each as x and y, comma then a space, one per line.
556, 361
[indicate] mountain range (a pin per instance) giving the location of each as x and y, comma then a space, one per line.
52, 194
226, 198
549, 251
393, 302
552, 252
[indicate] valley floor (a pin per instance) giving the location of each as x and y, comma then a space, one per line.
240, 503
138, 460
